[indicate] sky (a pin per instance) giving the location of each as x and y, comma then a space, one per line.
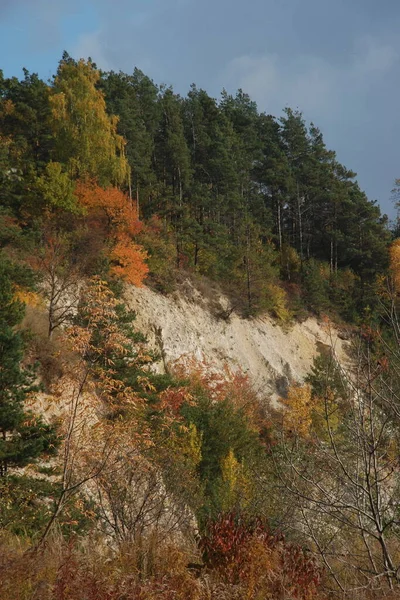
337, 61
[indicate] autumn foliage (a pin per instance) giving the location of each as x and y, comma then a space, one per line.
220, 385
299, 405
110, 202
114, 212
394, 253
243, 561
248, 554
87, 138
128, 261
65, 571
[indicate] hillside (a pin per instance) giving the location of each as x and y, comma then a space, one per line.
180, 329
199, 364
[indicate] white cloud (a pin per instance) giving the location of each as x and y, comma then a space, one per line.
371, 57
92, 44
305, 82
256, 75
308, 82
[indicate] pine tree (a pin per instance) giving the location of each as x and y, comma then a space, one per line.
25, 116
23, 436
272, 172
297, 148
173, 169
134, 98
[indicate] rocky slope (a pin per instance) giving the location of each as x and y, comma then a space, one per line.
183, 326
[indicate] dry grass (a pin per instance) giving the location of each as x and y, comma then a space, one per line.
89, 569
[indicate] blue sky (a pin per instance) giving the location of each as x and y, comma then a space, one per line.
338, 61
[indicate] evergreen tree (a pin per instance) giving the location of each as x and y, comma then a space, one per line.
134, 98
26, 140
315, 286
25, 117
173, 169
23, 436
297, 149
208, 143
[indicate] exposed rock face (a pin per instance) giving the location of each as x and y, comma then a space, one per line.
271, 355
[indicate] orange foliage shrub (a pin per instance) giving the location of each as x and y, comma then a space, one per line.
265, 565
128, 261
120, 211
245, 562
121, 223
172, 399
227, 384
218, 384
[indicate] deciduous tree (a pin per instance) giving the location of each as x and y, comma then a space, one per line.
87, 138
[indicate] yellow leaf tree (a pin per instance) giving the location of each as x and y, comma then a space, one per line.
57, 189
394, 254
236, 488
299, 404
87, 138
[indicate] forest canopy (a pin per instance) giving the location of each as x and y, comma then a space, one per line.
255, 202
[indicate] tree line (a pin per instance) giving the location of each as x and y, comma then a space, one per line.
255, 202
